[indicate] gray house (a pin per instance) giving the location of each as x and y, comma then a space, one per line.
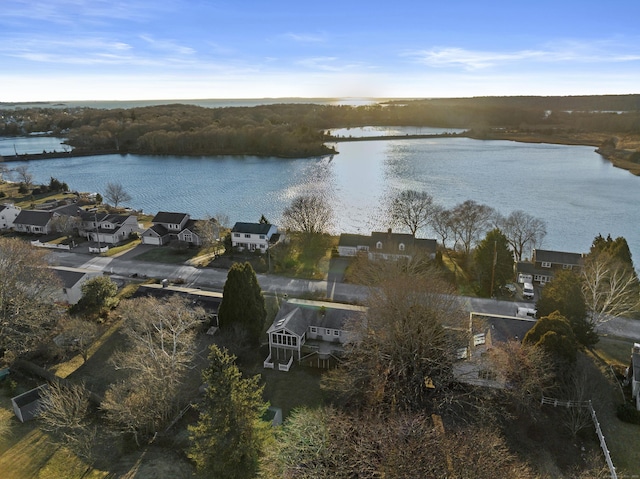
310, 332
168, 226
26, 406
386, 245
34, 222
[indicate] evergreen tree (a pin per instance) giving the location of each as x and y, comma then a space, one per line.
554, 334
617, 249
494, 262
99, 295
564, 294
242, 302
230, 435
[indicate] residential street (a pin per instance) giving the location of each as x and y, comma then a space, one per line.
213, 279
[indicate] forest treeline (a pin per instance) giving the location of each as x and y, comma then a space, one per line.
299, 130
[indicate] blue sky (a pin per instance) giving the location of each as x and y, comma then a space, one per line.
169, 49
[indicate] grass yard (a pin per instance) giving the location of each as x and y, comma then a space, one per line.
304, 258
26, 452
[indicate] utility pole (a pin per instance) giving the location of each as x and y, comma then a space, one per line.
493, 269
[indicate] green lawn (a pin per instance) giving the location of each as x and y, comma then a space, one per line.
26, 452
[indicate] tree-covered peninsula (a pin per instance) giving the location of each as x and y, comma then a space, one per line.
610, 123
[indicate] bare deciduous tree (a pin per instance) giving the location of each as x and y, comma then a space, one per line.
79, 334
28, 293
208, 230
400, 356
64, 412
65, 224
470, 222
115, 194
525, 370
326, 442
309, 214
523, 231
161, 347
412, 209
24, 175
610, 288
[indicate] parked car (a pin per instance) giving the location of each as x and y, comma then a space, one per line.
527, 291
526, 313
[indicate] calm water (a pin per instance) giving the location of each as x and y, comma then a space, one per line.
30, 145
572, 188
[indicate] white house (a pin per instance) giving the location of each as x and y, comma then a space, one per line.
253, 236
107, 228
72, 280
310, 332
8, 214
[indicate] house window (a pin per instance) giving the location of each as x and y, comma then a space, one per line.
236, 235
379, 245
566, 266
546, 264
263, 246
247, 235
401, 246
336, 333
262, 236
314, 329
327, 331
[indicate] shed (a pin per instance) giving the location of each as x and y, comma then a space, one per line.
26, 406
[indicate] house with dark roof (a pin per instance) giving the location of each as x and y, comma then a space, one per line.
310, 332
254, 236
72, 280
545, 263
169, 227
34, 222
107, 228
386, 245
8, 214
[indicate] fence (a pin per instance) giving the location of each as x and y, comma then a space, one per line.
596, 423
39, 244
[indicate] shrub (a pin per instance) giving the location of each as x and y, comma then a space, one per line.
627, 413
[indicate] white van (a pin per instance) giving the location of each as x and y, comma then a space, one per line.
527, 291
528, 313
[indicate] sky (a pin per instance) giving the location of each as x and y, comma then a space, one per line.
57, 50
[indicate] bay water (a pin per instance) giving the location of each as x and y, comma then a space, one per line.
572, 188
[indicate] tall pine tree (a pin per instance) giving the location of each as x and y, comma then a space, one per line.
230, 436
494, 262
242, 302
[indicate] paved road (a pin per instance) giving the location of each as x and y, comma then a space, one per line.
214, 279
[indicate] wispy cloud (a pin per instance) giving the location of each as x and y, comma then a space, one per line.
78, 11
330, 64
167, 46
476, 59
304, 37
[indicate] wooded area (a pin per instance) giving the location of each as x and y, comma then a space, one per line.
299, 130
